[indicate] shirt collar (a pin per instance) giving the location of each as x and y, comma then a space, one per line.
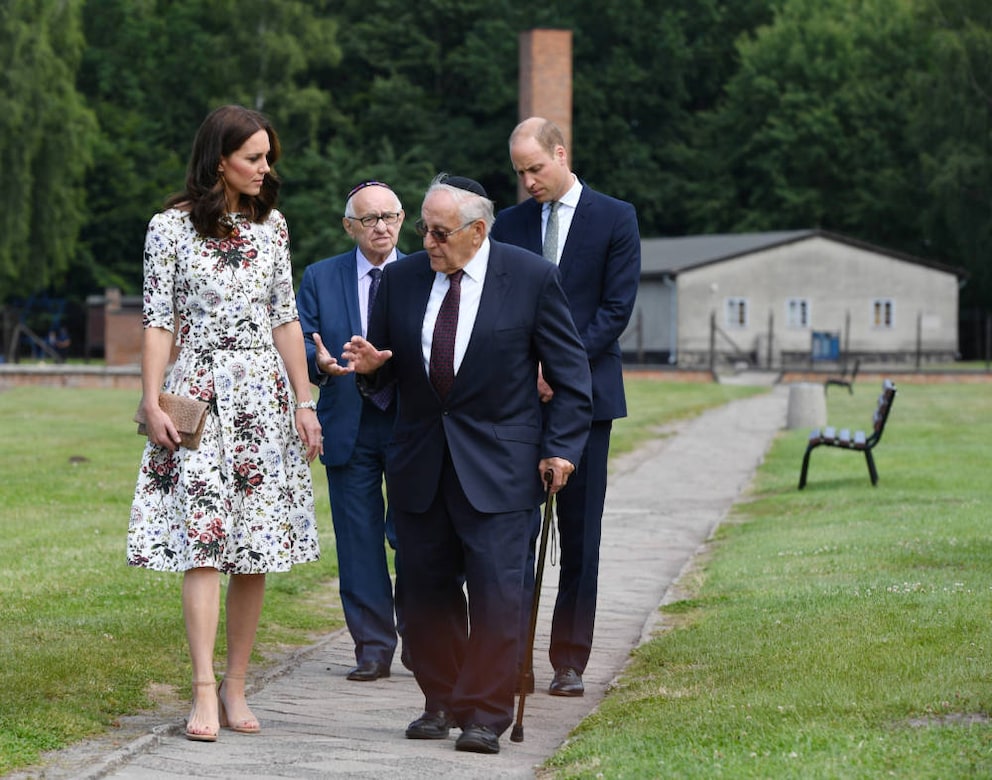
475, 269
571, 196
363, 264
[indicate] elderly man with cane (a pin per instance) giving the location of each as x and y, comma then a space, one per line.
459, 330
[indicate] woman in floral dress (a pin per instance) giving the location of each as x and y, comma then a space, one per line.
217, 271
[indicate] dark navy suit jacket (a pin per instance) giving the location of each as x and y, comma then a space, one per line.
491, 422
600, 270
328, 304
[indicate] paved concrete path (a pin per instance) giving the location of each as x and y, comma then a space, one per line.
662, 504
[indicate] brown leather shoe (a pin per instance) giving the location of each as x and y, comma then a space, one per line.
567, 682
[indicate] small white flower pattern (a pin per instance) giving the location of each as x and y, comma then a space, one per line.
243, 501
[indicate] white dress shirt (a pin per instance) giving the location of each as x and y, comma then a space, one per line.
365, 282
468, 306
566, 210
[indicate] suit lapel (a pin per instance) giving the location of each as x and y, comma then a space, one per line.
349, 272
416, 298
577, 231
533, 237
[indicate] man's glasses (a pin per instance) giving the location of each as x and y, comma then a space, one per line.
371, 220
441, 236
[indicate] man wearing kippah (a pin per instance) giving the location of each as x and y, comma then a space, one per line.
334, 301
458, 332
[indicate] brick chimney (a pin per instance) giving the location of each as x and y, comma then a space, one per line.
546, 81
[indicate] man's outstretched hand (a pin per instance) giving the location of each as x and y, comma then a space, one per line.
362, 357
326, 362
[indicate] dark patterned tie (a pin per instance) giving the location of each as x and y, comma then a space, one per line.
381, 398
375, 274
442, 370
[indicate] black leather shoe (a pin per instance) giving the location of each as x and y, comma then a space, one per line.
477, 739
525, 683
567, 682
368, 671
430, 725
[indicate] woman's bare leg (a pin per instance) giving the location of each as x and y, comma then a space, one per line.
245, 595
201, 612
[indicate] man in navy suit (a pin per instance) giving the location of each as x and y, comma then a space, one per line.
594, 241
464, 469
334, 301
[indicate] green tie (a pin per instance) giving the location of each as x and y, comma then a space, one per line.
550, 250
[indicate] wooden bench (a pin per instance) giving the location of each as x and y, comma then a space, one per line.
845, 379
858, 441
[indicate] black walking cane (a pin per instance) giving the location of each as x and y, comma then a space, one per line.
517, 735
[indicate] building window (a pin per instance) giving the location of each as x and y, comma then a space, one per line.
797, 313
883, 313
736, 313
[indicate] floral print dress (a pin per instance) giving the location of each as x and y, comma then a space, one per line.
243, 501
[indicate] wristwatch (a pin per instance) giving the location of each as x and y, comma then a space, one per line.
307, 405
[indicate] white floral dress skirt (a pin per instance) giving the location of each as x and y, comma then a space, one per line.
242, 502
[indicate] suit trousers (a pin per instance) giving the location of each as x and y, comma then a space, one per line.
579, 507
362, 525
464, 652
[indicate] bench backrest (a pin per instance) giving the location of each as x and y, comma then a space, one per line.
882, 411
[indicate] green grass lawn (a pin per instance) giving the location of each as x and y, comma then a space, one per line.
85, 639
841, 631
838, 632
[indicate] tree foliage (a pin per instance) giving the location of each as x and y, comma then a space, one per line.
953, 132
47, 134
812, 130
152, 86
868, 117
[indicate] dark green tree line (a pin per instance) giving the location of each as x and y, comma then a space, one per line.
153, 70
868, 117
812, 131
953, 131
47, 133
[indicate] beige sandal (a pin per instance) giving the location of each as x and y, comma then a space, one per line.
243, 726
204, 734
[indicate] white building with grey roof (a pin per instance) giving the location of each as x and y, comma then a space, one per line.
790, 299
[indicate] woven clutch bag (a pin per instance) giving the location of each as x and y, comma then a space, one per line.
187, 414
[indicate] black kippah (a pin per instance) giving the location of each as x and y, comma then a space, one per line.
463, 183
364, 184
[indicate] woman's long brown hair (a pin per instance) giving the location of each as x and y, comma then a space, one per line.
222, 133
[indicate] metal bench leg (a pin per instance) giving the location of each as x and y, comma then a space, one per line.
871, 467
802, 474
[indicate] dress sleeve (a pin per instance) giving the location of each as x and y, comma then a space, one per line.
282, 300
159, 272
